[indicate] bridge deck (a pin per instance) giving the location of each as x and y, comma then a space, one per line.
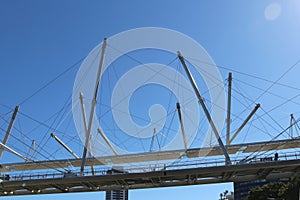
162, 178
191, 171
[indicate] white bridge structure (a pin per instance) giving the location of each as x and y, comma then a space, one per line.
187, 166
192, 171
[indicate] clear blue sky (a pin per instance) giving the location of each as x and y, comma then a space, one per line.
41, 39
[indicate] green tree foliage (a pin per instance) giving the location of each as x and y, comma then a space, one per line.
269, 190
276, 190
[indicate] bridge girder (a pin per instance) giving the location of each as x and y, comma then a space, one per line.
163, 178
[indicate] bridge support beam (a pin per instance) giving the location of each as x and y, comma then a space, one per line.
85, 125
107, 141
63, 145
94, 101
245, 122
3, 146
201, 101
182, 127
11, 123
228, 109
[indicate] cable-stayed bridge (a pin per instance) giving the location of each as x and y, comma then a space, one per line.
223, 162
191, 171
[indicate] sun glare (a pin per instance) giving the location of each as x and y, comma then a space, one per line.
272, 11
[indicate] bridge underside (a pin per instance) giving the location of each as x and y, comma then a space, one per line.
163, 178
